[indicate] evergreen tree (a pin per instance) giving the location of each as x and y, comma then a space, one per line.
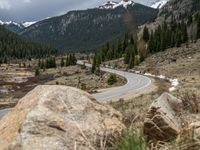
62, 63
67, 62
39, 63
119, 49
13, 46
129, 57
125, 43
126, 57
198, 28
146, 34
37, 72
94, 65
131, 62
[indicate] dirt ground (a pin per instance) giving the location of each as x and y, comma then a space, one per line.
16, 81
82, 78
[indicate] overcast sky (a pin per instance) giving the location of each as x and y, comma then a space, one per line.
33, 10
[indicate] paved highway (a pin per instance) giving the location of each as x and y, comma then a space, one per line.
134, 83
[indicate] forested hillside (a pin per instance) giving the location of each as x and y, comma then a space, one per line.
167, 35
89, 29
13, 46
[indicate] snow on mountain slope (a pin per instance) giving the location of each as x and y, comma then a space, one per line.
20, 25
27, 24
108, 5
11, 23
1, 22
113, 4
124, 4
159, 4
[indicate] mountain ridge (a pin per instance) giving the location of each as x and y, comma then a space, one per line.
16, 27
97, 25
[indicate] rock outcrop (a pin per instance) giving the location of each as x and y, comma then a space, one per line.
58, 117
195, 127
162, 121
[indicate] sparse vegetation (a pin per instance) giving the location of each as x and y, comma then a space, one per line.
131, 141
191, 101
112, 79
83, 86
37, 72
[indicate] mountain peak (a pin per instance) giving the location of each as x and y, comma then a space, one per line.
113, 4
159, 4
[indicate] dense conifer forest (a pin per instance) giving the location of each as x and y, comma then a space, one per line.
165, 36
13, 46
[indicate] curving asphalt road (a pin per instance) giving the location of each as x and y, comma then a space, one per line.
134, 83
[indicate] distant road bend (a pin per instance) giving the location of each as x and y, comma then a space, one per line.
134, 83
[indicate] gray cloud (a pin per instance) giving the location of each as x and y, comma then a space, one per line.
33, 10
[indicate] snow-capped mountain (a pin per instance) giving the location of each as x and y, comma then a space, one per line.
11, 23
27, 24
113, 4
21, 25
159, 4
16, 27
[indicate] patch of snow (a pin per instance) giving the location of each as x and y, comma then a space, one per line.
150, 75
27, 24
124, 4
113, 4
174, 82
159, 4
161, 77
11, 22
1, 22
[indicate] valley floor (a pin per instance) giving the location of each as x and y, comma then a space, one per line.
15, 81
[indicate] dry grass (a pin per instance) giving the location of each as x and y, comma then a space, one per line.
134, 110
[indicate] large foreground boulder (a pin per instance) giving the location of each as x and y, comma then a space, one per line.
58, 118
162, 122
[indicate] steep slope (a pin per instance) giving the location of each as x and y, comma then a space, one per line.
16, 27
13, 26
179, 10
11, 45
89, 29
173, 11
158, 4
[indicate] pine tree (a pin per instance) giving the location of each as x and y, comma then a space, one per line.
119, 49
94, 65
151, 46
146, 34
198, 28
125, 43
126, 57
39, 63
37, 72
74, 59
62, 63
67, 62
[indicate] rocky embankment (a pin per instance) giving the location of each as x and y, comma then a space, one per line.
168, 120
59, 117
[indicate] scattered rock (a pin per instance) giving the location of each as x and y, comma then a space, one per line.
162, 121
58, 117
195, 126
